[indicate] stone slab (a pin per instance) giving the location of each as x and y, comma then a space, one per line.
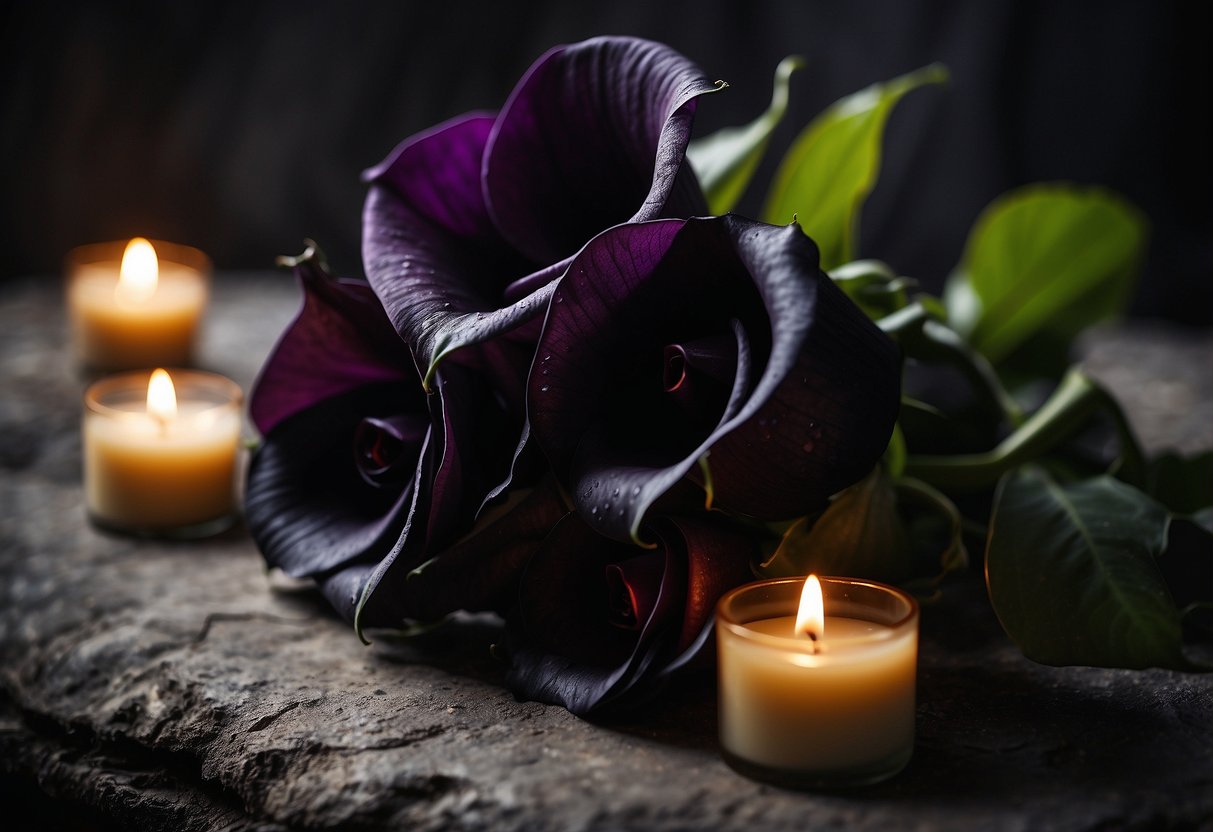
178, 686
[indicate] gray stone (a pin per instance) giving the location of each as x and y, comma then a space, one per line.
158, 685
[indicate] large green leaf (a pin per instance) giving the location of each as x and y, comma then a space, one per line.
833, 164
1072, 574
725, 161
1042, 263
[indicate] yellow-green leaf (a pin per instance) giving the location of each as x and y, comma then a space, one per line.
833, 164
725, 161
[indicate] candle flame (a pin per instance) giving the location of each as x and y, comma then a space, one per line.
811, 617
161, 397
139, 272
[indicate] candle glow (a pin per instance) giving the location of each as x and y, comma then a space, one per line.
138, 274
811, 615
161, 397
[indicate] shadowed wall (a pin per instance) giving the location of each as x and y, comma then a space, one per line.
242, 127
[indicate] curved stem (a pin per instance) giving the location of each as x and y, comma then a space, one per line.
1075, 400
924, 336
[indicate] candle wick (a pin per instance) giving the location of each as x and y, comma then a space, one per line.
812, 642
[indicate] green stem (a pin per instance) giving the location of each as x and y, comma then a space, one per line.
1074, 401
925, 337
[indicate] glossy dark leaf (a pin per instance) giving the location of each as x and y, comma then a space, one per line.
814, 390
1072, 574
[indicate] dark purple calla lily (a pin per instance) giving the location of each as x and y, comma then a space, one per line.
465, 222
344, 425
602, 624
718, 345
480, 572
466, 226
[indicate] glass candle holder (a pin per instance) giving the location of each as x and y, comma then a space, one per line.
154, 471
833, 712
147, 316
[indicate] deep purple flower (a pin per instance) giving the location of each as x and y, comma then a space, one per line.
602, 624
462, 223
344, 425
713, 349
466, 225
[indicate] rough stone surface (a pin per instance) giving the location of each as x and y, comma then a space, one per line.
176, 686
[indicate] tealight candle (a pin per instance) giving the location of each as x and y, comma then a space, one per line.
160, 452
817, 680
135, 305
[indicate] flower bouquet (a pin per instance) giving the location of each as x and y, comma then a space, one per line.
575, 391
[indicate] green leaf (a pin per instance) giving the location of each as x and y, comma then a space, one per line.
725, 161
873, 286
1072, 575
833, 164
859, 534
1045, 261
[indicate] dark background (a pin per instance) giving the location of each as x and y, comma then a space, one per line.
242, 127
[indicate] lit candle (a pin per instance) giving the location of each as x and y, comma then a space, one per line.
160, 452
819, 694
136, 305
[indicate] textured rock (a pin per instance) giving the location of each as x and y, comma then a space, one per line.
177, 686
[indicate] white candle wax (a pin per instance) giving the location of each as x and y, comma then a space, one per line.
157, 473
837, 710
112, 329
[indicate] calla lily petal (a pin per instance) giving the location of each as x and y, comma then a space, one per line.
431, 251
815, 388
340, 340
610, 118
310, 505
572, 651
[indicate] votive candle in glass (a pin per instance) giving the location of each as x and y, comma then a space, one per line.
136, 304
825, 703
161, 452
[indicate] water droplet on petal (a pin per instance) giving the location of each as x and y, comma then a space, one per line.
807, 447
543, 389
